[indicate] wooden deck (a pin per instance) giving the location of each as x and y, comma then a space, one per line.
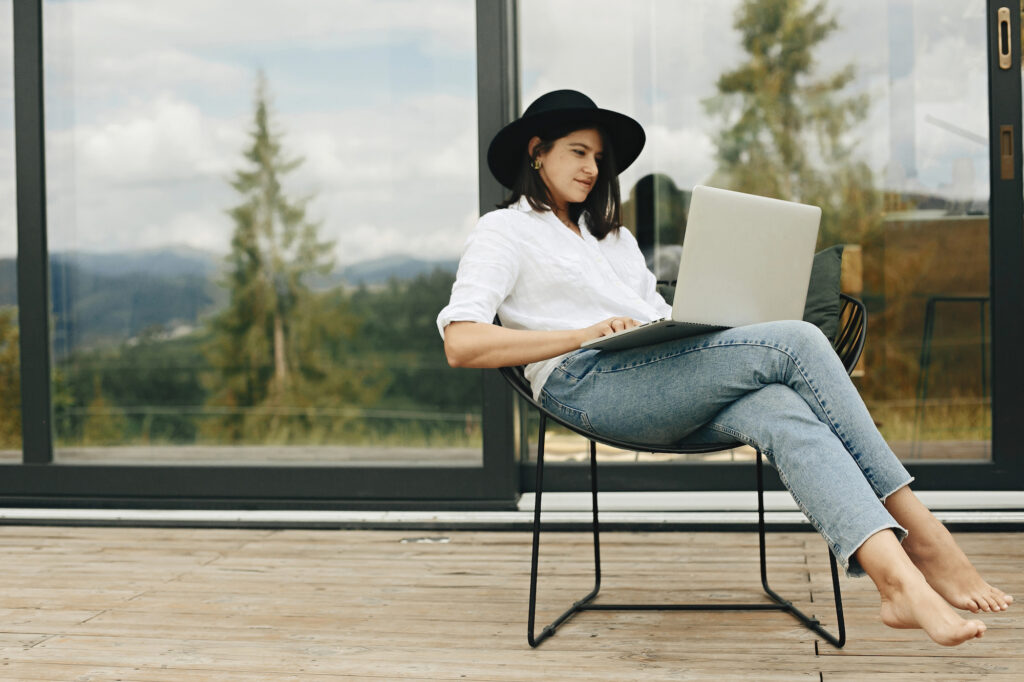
175, 605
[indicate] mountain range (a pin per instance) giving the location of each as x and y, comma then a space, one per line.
102, 298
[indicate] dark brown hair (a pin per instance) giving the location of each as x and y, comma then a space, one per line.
602, 205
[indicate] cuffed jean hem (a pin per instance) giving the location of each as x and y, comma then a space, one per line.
847, 559
885, 496
845, 536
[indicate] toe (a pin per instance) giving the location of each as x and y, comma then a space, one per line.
975, 629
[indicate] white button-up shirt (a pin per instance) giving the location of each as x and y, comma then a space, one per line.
537, 274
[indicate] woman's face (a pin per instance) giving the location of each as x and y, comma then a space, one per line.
569, 168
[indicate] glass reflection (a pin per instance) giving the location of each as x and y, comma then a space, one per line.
868, 110
10, 371
255, 215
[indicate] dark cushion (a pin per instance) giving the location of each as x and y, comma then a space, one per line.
667, 291
823, 302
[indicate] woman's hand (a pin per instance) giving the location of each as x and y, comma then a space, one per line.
609, 326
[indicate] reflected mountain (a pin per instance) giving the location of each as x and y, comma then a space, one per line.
110, 298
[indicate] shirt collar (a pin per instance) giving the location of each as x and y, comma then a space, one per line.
524, 205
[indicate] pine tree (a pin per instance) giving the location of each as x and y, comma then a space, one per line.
274, 250
787, 134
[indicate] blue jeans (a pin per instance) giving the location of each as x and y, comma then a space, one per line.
777, 386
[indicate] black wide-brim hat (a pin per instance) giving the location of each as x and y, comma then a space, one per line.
555, 110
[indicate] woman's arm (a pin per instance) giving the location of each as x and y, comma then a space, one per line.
477, 344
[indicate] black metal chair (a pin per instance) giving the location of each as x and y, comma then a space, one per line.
849, 343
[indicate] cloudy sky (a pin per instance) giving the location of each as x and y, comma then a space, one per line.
149, 104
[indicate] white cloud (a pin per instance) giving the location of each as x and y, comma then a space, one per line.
149, 105
658, 59
194, 41
200, 23
149, 108
8, 197
685, 154
654, 61
205, 230
165, 140
397, 180
374, 240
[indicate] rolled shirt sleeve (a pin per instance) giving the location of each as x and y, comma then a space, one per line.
487, 273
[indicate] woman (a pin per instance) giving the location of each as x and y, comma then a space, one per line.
558, 270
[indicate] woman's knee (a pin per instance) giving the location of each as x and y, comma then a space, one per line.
802, 337
799, 329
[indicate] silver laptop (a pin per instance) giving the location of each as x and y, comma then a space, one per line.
745, 259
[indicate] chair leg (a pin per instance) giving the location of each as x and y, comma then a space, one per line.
586, 604
810, 623
578, 605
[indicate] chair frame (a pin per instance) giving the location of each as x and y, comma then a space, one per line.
849, 344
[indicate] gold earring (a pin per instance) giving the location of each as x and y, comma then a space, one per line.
536, 164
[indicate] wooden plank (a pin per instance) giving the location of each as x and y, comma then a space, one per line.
303, 657
71, 672
186, 604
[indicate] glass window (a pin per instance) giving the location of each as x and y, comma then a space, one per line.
255, 213
872, 113
10, 384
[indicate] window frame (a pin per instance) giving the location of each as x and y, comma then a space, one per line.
39, 481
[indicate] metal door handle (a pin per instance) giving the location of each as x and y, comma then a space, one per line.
1005, 38
1006, 152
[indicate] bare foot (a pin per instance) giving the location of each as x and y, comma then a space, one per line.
948, 570
916, 605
